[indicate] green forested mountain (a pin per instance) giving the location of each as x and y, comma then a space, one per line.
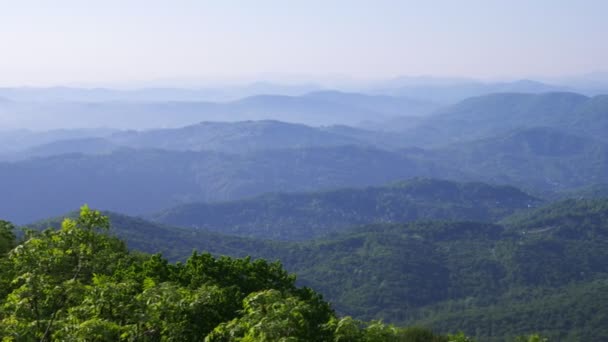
175, 243
78, 283
543, 270
304, 216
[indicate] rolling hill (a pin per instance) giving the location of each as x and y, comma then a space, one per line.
304, 216
235, 137
540, 159
315, 109
540, 270
497, 114
146, 181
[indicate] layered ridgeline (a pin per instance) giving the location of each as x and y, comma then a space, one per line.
232, 137
543, 143
497, 114
304, 216
540, 159
472, 119
317, 108
541, 270
146, 181
79, 283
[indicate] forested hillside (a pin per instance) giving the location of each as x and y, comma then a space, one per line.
541, 159
79, 283
139, 182
497, 114
536, 271
304, 171
304, 216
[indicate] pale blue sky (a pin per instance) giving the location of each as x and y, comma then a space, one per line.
67, 41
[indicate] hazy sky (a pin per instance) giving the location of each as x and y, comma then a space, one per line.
66, 41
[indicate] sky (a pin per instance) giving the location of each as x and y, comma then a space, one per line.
62, 42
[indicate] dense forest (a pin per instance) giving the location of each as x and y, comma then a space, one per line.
304, 216
80, 283
541, 270
304, 171
478, 220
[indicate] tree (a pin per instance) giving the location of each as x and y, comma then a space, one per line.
52, 270
272, 316
7, 237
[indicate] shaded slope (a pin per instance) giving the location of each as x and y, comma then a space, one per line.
490, 280
309, 215
537, 158
495, 114
145, 181
241, 137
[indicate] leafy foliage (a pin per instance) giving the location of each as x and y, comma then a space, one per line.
446, 275
79, 283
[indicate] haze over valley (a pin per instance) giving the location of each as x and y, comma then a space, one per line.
314, 172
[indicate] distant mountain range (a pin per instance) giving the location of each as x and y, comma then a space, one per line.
473, 119
64, 107
488, 215
153, 93
321, 108
542, 159
235, 137
544, 144
142, 181
496, 114
454, 90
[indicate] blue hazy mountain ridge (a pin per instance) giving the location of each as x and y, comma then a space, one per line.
64, 107
142, 181
541, 159
398, 106
454, 89
15, 141
165, 178
153, 94
314, 109
472, 119
594, 83
240, 137
231, 137
93, 145
449, 91
495, 114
